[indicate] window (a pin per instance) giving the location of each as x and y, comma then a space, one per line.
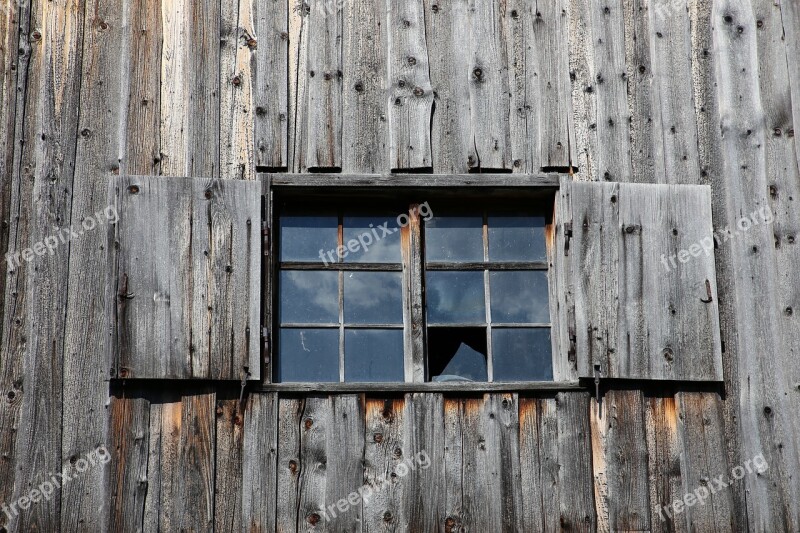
426, 287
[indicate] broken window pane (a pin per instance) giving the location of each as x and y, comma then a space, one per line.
373, 355
308, 355
522, 354
457, 354
516, 238
308, 238
373, 298
371, 239
455, 297
309, 297
454, 239
519, 296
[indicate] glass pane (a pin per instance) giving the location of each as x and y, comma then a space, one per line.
454, 239
307, 355
522, 354
371, 239
307, 238
373, 298
516, 238
309, 297
519, 296
372, 355
457, 354
455, 297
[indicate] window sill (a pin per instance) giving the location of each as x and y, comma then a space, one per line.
468, 387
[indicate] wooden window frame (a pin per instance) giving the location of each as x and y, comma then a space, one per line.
402, 189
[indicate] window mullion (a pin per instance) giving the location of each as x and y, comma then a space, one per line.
413, 309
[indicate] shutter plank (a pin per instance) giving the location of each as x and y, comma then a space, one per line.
200, 279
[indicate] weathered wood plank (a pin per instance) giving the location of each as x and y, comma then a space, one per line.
316, 421
446, 26
190, 90
364, 113
345, 476
298, 93
574, 469
203, 276
523, 68
324, 84
259, 463
271, 84
620, 462
489, 91
534, 484
410, 91
230, 481
290, 411
556, 134
383, 493
163, 450
413, 310
238, 86
503, 477
487, 181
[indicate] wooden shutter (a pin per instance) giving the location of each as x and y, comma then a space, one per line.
185, 271
624, 302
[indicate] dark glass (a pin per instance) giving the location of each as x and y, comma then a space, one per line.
307, 355
522, 354
371, 239
457, 354
454, 239
373, 355
455, 297
309, 297
516, 238
308, 238
373, 298
519, 296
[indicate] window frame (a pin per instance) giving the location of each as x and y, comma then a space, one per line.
402, 190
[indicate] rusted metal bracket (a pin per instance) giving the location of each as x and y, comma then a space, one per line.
245, 375
597, 373
265, 238
567, 236
265, 343
708, 292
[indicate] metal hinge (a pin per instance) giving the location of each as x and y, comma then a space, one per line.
567, 236
265, 343
265, 238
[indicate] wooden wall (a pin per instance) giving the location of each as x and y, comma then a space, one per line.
659, 91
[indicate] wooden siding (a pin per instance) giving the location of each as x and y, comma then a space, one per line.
659, 91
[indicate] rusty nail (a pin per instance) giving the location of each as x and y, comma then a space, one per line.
252, 43
123, 372
313, 518
412, 60
237, 81
293, 466
308, 423
418, 91
378, 437
207, 194
359, 87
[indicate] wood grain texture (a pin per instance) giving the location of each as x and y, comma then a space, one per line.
637, 314
410, 98
364, 111
290, 469
384, 419
259, 463
413, 307
230, 483
271, 84
201, 278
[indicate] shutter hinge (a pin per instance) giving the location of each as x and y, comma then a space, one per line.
265, 238
265, 343
567, 236
597, 373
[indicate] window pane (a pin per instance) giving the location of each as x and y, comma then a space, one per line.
516, 238
309, 297
519, 296
455, 297
454, 239
371, 239
308, 238
522, 354
372, 355
307, 355
457, 354
373, 298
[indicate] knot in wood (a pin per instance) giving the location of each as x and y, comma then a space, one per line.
387, 516
668, 355
313, 519
308, 423
359, 87
133, 189
412, 60
378, 437
237, 81
477, 74
418, 91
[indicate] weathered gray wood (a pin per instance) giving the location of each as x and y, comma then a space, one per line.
422, 387
644, 307
190, 90
556, 135
532, 444
487, 181
345, 475
446, 27
316, 422
383, 492
674, 120
192, 502
259, 463
324, 85
523, 68
230, 483
423, 443
410, 94
574, 469
238, 86
620, 462
200, 279
475, 506
503, 477
271, 84
413, 310
364, 113
290, 411
489, 91
298, 87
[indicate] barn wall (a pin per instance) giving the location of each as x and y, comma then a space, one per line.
656, 91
